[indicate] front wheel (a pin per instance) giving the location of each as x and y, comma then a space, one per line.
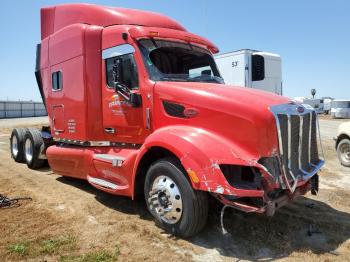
176, 206
343, 151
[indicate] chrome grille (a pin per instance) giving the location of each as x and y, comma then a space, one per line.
297, 133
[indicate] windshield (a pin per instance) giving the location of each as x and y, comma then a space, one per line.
173, 61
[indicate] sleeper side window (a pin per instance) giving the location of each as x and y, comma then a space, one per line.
57, 82
121, 57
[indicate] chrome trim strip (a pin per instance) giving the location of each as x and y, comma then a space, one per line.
114, 160
102, 183
97, 143
100, 143
279, 134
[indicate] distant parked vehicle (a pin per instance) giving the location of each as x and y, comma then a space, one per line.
343, 144
340, 109
327, 105
316, 104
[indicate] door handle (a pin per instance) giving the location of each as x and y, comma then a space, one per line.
110, 130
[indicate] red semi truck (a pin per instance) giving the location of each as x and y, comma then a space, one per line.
137, 107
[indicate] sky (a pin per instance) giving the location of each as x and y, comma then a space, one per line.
312, 37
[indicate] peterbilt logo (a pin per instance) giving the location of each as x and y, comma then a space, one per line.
300, 109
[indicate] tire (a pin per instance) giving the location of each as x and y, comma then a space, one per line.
343, 151
194, 204
16, 144
31, 148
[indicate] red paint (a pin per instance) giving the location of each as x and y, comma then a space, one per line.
223, 125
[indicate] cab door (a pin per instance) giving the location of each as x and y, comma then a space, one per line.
123, 121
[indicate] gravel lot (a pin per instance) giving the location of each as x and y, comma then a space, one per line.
68, 220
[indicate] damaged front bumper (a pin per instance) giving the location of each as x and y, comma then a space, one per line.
269, 203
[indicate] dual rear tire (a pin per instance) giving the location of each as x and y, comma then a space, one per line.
26, 147
16, 143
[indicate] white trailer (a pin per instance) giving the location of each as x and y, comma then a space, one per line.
251, 68
340, 109
315, 103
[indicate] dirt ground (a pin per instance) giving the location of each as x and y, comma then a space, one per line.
69, 220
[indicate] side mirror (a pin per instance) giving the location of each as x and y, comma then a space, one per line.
121, 89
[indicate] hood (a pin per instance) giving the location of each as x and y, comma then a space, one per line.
239, 114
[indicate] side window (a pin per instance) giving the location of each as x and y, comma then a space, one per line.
117, 56
258, 68
57, 82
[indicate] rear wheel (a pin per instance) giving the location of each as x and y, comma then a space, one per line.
343, 151
32, 146
170, 198
16, 142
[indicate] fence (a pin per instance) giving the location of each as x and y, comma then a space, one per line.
18, 109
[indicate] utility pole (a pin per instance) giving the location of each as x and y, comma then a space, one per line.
313, 93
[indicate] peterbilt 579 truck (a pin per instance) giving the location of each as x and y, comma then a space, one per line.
137, 108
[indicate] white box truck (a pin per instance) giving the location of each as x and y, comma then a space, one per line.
251, 68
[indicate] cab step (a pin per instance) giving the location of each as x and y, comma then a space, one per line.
102, 183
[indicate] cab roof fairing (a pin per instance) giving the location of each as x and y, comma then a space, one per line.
54, 18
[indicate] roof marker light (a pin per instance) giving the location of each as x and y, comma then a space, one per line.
153, 33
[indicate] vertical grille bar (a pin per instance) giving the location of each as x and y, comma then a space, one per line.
294, 144
314, 159
283, 131
289, 142
301, 125
310, 129
305, 166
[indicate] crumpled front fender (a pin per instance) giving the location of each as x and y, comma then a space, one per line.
201, 152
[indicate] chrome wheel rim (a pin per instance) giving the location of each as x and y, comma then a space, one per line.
165, 199
14, 146
28, 148
345, 152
